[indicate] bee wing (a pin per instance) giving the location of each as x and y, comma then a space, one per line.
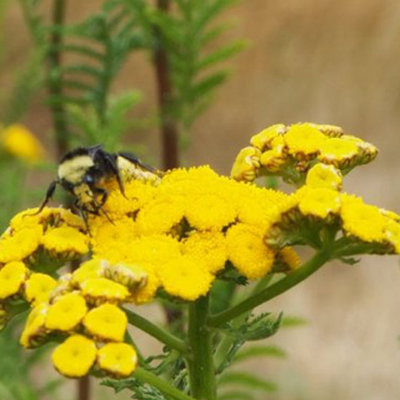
136, 161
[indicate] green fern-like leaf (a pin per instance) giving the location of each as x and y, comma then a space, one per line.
259, 351
248, 381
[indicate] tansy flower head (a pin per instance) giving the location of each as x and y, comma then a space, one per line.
102, 290
12, 276
246, 165
304, 140
248, 252
338, 152
273, 159
106, 323
324, 176
34, 330
66, 242
319, 202
38, 288
209, 248
117, 359
94, 268
66, 313
75, 356
21, 143
263, 139
185, 277
130, 275
21, 244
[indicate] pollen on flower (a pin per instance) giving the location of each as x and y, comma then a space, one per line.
209, 248
12, 276
117, 359
106, 323
65, 241
18, 245
66, 313
248, 252
38, 288
75, 357
185, 277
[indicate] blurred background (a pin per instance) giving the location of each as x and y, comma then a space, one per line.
323, 61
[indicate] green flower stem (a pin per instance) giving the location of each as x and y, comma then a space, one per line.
201, 365
311, 266
157, 332
164, 387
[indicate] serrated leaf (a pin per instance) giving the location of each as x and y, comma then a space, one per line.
259, 351
248, 380
291, 321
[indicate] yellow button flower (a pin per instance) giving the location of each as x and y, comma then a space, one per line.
248, 252
20, 142
65, 241
246, 165
337, 151
34, 329
117, 359
20, 245
38, 288
304, 140
319, 202
102, 290
324, 176
75, 356
209, 248
106, 323
12, 276
185, 277
66, 313
132, 276
94, 268
263, 139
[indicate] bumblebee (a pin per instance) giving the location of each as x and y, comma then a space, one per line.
83, 171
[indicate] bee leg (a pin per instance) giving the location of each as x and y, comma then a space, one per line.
49, 194
114, 169
99, 205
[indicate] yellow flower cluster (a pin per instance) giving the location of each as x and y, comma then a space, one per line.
321, 202
290, 151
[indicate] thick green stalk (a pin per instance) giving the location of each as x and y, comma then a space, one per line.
164, 387
272, 291
201, 364
157, 332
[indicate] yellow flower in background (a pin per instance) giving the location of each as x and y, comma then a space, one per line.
118, 359
12, 276
185, 277
75, 356
106, 323
18, 141
324, 176
248, 252
38, 288
66, 313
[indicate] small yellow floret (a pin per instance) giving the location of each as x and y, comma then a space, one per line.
319, 202
361, 220
324, 176
117, 359
146, 293
34, 328
273, 159
75, 356
38, 288
290, 257
12, 276
21, 244
102, 290
106, 322
66, 241
304, 140
209, 248
20, 142
185, 277
246, 165
337, 151
263, 139
66, 313
248, 252
130, 275
94, 268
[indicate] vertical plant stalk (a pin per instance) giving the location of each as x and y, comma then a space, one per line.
201, 365
54, 78
169, 127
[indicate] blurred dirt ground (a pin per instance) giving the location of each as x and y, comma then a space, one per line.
324, 61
